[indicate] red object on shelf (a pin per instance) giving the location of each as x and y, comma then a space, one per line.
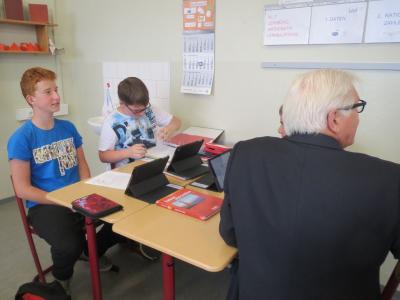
13, 9
14, 47
3, 47
23, 46
38, 13
30, 47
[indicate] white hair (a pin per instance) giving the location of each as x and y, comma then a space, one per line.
311, 97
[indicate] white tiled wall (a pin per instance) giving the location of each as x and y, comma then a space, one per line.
155, 75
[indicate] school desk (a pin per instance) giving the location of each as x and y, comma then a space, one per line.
178, 236
130, 205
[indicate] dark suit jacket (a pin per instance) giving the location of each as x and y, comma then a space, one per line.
310, 220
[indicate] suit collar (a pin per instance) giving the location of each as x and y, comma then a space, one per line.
321, 140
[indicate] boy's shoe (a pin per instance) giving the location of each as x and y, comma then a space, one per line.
105, 263
144, 251
66, 285
149, 253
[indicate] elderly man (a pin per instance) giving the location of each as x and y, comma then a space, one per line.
311, 220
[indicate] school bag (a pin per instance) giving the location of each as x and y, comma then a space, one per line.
41, 291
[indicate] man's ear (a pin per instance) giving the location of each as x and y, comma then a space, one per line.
332, 121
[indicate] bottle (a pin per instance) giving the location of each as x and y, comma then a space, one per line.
108, 106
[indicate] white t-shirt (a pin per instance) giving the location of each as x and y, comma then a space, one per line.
121, 131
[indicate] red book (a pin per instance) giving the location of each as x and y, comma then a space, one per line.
95, 206
183, 139
192, 203
38, 13
13, 9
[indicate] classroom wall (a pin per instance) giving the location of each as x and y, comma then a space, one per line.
245, 97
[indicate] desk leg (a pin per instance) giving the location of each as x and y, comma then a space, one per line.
93, 259
168, 277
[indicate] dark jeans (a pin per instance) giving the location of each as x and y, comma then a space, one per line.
63, 230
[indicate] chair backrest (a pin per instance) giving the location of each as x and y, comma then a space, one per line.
391, 286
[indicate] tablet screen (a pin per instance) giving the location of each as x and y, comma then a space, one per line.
218, 167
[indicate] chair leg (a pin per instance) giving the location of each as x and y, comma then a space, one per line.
39, 269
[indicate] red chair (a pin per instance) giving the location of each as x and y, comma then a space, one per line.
29, 231
391, 286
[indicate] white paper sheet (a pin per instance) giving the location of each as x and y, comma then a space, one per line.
383, 22
287, 26
111, 179
338, 23
161, 150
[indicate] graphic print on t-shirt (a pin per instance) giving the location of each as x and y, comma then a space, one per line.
131, 131
63, 151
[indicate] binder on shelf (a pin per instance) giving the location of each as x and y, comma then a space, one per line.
13, 9
192, 203
38, 13
148, 182
186, 162
95, 206
215, 179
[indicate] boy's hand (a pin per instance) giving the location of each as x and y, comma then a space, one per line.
163, 133
137, 151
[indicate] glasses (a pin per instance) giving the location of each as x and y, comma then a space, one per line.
359, 106
137, 111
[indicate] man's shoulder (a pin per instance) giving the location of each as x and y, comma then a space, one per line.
261, 142
373, 161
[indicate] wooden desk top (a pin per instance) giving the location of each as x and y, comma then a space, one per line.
186, 238
205, 191
69, 193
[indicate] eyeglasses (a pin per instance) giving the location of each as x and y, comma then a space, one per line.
137, 111
359, 106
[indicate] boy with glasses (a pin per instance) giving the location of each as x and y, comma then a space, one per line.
131, 129
134, 126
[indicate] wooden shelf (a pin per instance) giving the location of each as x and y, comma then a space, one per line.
23, 22
42, 35
23, 52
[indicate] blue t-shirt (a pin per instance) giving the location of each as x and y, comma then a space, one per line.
51, 153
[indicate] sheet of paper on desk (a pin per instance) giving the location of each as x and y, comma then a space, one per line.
111, 179
161, 150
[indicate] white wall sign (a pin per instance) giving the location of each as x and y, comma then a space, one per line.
383, 22
287, 26
340, 23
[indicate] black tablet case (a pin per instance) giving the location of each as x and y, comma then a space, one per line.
186, 162
148, 182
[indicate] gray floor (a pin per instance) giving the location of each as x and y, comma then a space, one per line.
137, 279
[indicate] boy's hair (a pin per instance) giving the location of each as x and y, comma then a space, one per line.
32, 76
133, 91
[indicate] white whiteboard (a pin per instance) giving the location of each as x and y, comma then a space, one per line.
287, 26
341, 23
383, 22
331, 22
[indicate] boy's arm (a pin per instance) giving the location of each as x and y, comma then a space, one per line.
83, 167
111, 156
166, 132
21, 175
